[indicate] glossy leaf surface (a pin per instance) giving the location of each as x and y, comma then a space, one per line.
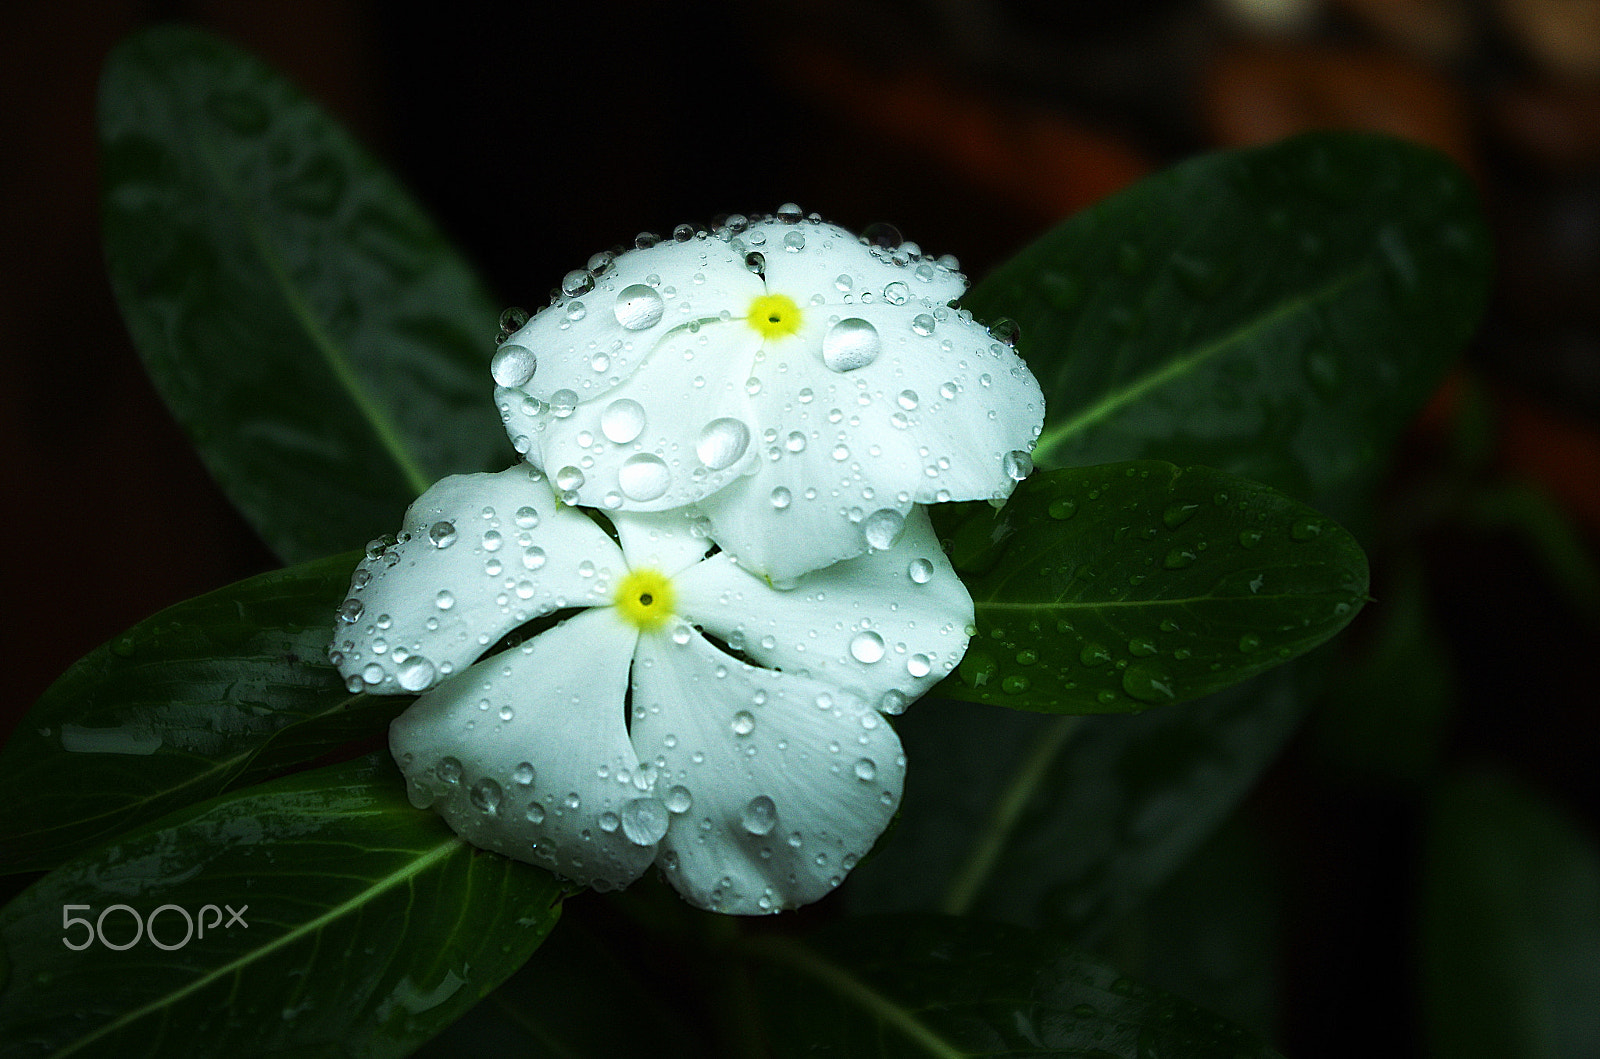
221, 690
318, 338
1279, 312
1126, 586
927, 986
364, 926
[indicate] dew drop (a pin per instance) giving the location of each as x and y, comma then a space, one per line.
569, 478
578, 281
638, 307
850, 344
416, 673
760, 815
866, 647
920, 571
919, 665
526, 517
448, 770
523, 774
513, 365
922, 324
644, 821
781, 498
722, 443
1177, 514
679, 800
1063, 509
743, 723
445, 599
350, 610
535, 813
908, 400
897, 293
794, 242
1018, 465
622, 421
485, 796
563, 403
866, 769
883, 528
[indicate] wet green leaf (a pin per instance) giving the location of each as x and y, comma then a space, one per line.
1279, 312
1126, 586
1510, 926
927, 986
218, 691
364, 926
305, 321
1067, 823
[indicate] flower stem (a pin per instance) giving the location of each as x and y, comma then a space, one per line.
974, 871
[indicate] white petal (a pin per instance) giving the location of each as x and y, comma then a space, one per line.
477, 556
887, 625
527, 753
680, 428
949, 414
774, 798
836, 264
668, 541
589, 342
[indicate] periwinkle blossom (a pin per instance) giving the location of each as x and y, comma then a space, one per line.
685, 712
802, 387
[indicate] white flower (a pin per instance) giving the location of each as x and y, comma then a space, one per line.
628, 734
789, 379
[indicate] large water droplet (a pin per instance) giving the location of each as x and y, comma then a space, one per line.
883, 528
622, 420
569, 478
743, 723
513, 365
485, 796
897, 293
644, 821
563, 403
1018, 465
644, 476
639, 307
350, 610
760, 815
866, 647
448, 770
722, 443
920, 571
866, 769
781, 498
523, 774
578, 281
679, 800
416, 673
850, 344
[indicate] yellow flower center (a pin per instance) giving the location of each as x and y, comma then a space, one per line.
774, 315
645, 598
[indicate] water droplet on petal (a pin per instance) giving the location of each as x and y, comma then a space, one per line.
850, 344
644, 477
448, 770
679, 800
743, 723
922, 324
781, 498
794, 242
350, 610
578, 281
523, 774
883, 528
920, 571
444, 600
1018, 465
789, 213
760, 815
644, 821
513, 365
919, 665
866, 769
485, 796
569, 478
527, 517
416, 673
535, 813
563, 403
622, 421
722, 443
908, 400
638, 307
897, 293
866, 647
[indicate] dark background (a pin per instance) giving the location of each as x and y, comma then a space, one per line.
539, 134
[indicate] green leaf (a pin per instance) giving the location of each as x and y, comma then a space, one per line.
1067, 823
366, 926
1510, 926
1120, 587
1279, 312
947, 988
221, 690
305, 321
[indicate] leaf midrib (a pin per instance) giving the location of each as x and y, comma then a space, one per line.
1109, 404
388, 435
422, 861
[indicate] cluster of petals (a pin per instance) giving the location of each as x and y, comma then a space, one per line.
673, 632
800, 387
684, 712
